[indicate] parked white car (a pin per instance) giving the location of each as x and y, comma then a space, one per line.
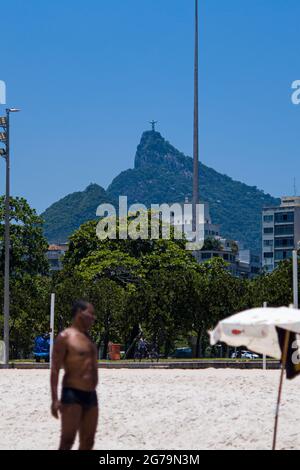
245, 355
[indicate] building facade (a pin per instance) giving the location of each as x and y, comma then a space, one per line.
55, 255
249, 264
240, 262
227, 255
280, 232
183, 222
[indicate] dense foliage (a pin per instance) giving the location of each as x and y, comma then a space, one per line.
151, 285
29, 281
28, 245
158, 286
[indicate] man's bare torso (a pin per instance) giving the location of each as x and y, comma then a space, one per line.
80, 361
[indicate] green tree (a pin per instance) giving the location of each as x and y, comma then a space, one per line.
108, 298
212, 244
115, 265
110, 302
29, 312
152, 273
161, 304
216, 295
84, 242
28, 245
275, 288
29, 284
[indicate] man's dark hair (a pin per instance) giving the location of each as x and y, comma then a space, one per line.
77, 306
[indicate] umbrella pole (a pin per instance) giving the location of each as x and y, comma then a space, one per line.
283, 365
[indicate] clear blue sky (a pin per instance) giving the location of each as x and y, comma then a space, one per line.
90, 75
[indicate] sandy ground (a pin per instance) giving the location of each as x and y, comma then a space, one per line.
159, 409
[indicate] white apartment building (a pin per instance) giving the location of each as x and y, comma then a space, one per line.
280, 232
184, 222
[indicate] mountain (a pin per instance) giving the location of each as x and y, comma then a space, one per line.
162, 174
66, 215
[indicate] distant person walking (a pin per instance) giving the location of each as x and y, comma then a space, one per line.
76, 353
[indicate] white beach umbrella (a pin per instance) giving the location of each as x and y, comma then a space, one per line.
256, 330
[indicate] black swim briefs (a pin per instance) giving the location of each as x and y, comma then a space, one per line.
72, 396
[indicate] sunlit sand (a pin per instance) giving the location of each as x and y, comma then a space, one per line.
159, 409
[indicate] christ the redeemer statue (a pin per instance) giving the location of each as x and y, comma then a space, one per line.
153, 123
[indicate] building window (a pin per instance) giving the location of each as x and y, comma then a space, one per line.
284, 242
255, 270
268, 230
284, 217
268, 242
284, 230
268, 218
206, 255
54, 263
268, 255
283, 254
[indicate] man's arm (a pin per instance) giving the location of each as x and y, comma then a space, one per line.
58, 355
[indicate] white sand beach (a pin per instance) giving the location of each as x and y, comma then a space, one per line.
159, 409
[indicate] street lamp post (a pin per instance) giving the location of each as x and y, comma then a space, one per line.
6, 154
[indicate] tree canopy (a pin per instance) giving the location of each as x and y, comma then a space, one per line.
28, 244
155, 286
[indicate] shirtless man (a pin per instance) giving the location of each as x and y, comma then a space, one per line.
74, 351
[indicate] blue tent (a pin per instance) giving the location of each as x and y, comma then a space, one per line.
42, 347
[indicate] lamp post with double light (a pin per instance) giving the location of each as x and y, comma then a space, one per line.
5, 153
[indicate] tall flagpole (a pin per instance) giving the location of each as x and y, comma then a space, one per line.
196, 124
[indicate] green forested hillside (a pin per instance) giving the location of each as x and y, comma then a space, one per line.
66, 215
163, 174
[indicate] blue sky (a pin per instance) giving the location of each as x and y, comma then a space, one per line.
90, 75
